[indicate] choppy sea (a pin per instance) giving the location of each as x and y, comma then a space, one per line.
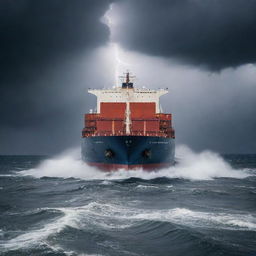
204, 205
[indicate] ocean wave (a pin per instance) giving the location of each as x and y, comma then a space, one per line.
183, 216
75, 217
146, 187
8, 175
100, 216
194, 166
34, 236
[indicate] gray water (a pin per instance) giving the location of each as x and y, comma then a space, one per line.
205, 205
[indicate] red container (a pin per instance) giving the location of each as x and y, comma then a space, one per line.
138, 125
91, 116
119, 126
142, 109
164, 116
112, 110
152, 126
90, 123
144, 120
104, 126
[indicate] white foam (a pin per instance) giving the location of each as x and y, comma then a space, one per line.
106, 182
88, 216
8, 175
66, 165
114, 216
183, 216
36, 235
71, 217
143, 187
88, 254
195, 166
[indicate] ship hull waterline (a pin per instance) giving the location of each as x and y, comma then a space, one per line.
109, 153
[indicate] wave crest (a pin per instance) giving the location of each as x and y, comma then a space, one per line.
194, 166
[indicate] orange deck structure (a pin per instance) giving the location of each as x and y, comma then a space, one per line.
144, 121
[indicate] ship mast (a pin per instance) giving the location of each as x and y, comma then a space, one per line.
127, 77
128, 121
128, 118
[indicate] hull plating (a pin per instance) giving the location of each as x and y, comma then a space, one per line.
128, 152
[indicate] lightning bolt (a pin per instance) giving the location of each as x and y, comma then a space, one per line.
119, 63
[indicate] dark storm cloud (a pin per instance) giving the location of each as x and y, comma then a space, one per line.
37, 37
212, 33
32, 32
49, 55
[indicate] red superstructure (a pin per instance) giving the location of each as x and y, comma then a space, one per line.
126, 111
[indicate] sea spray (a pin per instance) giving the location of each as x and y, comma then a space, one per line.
190, 165
113, 216
97, 214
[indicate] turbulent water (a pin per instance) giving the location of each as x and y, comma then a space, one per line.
205, 205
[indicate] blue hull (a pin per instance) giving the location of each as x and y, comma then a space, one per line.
111, 152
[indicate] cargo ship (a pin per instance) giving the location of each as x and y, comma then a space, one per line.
128, 129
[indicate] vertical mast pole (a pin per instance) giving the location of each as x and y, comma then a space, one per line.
127, 112
127, 118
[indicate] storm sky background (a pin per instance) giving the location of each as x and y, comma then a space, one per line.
52, 51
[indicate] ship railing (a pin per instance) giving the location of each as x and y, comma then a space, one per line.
109, 133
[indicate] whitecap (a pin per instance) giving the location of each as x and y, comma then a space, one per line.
194, 166
187, 217
88, 216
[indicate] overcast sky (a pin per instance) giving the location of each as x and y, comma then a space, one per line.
51, 51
